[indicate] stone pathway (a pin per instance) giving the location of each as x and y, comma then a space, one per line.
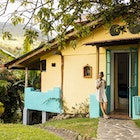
117, 129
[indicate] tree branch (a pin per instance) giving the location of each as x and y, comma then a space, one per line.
5, 8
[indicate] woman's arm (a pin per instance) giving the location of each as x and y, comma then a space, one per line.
98, 84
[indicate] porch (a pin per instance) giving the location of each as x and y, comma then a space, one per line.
49, 101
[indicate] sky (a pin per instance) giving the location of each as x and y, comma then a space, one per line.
13, 6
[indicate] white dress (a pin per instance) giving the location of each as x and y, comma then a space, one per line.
100, 92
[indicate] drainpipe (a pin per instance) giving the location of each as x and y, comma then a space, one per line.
62, 74
97, 61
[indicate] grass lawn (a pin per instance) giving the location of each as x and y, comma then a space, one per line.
137, 122
83, 126
21, 132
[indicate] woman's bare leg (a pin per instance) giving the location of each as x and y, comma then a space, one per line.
103, 107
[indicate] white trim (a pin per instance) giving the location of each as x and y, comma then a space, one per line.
44, 115
25, 116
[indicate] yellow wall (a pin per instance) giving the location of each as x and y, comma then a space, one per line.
52, 76
102, 34
76, 87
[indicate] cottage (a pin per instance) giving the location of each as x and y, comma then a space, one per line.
70, 74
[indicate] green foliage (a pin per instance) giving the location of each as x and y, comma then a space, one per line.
7, 35
26, 45
30, 36
122, 11
73, 43
12, 1
25, 3
17, 20
83, 31
1, 104
52, 99
107, 2
4, 84
21, 132
11, 91
61, 38
1, 108
34, 79
46, 46
44, 17
81, 109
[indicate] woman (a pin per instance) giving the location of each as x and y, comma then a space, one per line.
101, 95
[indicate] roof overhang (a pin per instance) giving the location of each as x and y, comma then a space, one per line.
30, 60
114, 42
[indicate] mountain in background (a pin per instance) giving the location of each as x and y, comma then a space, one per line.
16, 43
17, 30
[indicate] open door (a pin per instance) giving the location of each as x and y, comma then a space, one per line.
133, 77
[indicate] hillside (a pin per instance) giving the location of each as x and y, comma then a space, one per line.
16, 43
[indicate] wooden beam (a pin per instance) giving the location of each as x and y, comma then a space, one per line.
97, 61
62, 74
26, 77
18, 66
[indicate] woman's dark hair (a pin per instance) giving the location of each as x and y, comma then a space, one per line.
101, 73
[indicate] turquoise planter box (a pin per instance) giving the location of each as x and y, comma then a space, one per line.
136, 107
94, 108
43, 101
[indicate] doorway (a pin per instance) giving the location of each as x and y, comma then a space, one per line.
121, 83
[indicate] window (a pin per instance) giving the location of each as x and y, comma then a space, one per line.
43, 65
